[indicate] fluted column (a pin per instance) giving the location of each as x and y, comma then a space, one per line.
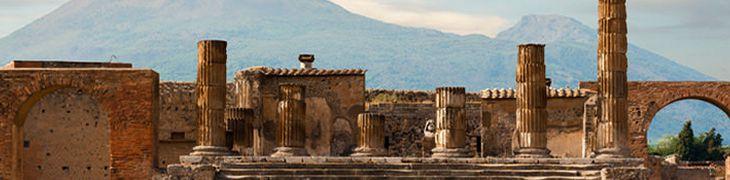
239, 123
290, 134
211, 98
450, 123
372, 135
531, 98
612, 131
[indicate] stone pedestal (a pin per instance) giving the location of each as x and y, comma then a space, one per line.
531, 101
450, 123
211, 98
612, 128
290, 135
239, 123
372, 135
727, 168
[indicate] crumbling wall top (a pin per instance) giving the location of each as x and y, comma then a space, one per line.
64, 64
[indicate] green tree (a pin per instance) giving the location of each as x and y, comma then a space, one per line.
711, 145
665, 146
686, 146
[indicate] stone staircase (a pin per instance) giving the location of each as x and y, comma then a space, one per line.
413, 168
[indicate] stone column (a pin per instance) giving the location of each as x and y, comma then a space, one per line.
531, 98
612, 130
450, 123
239, 122
372, 135
211, 93
290, 134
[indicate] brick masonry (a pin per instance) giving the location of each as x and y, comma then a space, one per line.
646, 98
129, 96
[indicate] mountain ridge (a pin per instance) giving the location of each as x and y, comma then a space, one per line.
161, 34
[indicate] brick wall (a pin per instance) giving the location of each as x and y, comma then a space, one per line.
128, 97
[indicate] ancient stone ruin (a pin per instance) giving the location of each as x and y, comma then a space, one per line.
79, 120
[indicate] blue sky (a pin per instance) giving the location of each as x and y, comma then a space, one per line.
695, 33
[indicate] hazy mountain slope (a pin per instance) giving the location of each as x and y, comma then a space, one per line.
162, 34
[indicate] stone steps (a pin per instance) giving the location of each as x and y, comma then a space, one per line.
454, 166
413, 168
287, 177
406, 172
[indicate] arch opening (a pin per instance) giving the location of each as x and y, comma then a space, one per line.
62, 133
667, 121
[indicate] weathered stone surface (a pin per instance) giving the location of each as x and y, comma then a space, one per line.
612, 128
238, 122
211, 98
450, 136
128, 96
531, 98
177, 127
625, 173
372, 135
290, 134
331, 95
564, 125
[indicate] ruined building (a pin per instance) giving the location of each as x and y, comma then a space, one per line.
80, 120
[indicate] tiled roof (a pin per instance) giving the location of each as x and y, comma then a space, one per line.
552, 93
303, 72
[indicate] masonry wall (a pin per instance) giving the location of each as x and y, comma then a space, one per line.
100, 116
333, 101
177, 128
565, 125
405, 122
66, 137
407, 112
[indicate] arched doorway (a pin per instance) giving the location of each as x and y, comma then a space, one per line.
669, 120
65, 135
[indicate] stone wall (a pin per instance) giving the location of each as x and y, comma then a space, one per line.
565, 125
407, 112
404, 124
178, 120
66, 137
333, 100
127, 98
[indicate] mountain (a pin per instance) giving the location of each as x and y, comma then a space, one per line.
162, 35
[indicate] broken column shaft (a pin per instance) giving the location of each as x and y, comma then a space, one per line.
450, 135
290, 135
531, 102
240, 124
372, 135
211, 98
612, 130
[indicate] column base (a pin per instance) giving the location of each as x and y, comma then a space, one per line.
449, 152
210, 151
369, 152
611, 153
532, 153
289, 151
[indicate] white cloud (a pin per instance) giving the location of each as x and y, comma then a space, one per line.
447, 21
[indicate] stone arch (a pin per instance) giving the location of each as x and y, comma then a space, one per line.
646, 98
129, 96
652, 106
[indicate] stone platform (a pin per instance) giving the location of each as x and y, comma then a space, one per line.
237, 167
